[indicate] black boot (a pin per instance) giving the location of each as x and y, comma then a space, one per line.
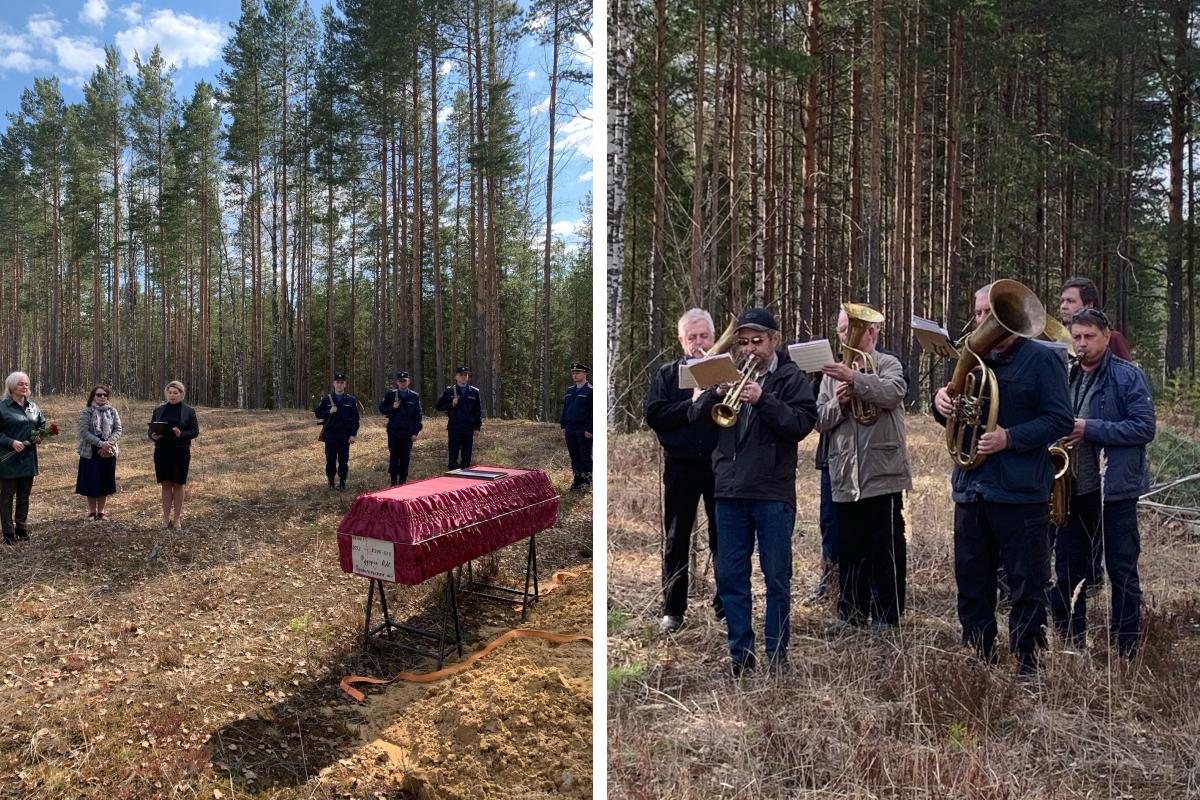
587, 480
395, 479
577, 484
331, 486
342, 486
22, 534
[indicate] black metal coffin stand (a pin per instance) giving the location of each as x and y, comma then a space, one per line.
385, 634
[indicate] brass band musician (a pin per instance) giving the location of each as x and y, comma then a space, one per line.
868, 471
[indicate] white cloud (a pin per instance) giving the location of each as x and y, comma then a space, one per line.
43, 27
78, 57
583, 49
531, 74
186, 41
93, 12
539, 22
21, 61
586, 177
132, 13
447, 67
444, 114
564, 228
576, 134
541, 108
9, 41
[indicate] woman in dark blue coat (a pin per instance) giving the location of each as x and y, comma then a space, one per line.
172, 427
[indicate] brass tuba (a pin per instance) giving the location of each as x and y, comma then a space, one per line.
725, 342
1017, 311
725, 413
1055, 331
1060, 492
861, 317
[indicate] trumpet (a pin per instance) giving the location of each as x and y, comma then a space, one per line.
725, 413
1060, 492
973, 387
861, 317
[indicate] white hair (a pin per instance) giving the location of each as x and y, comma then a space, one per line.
694, 315
10, 382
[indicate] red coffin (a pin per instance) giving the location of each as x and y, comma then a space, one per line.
409, 533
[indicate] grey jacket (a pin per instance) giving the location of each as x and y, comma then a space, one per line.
867, 460
87, 436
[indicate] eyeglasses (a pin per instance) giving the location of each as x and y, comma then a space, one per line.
1091, 313
755, 340
101, 394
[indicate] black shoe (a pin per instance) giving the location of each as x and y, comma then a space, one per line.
342, 486
743, 666
1027, 666
577, 484
9, 540
777, 664
394, 479
22, 535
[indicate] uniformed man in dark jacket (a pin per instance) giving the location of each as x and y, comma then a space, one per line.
339, 410
754, 465
687, 467
576, 422
402, 407
463, 406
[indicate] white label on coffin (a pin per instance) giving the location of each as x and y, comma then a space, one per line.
373, 558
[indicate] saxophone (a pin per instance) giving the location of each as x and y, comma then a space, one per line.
1060, 492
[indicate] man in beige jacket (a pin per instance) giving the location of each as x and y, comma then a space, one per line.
868, 470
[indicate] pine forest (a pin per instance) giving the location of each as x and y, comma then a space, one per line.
800, 155
356, 191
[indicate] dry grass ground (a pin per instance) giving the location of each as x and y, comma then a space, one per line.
898, 715
139, 663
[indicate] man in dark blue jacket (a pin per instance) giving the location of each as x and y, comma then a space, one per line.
1114, 418
576, 422
1002, 507
463, 406
754, 466
687, 467
340, 412
402, 407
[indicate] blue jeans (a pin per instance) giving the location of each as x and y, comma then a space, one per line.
829, 526
739, 522
1115, 532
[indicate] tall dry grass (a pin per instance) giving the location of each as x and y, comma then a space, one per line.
890, 715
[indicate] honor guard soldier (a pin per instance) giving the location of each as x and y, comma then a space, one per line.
576, 422
462, 404
339, 410
402, 407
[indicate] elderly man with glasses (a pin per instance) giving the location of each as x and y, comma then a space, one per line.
754, 465
1114, 418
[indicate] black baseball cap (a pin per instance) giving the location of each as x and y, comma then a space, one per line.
579, 366
757, 318
339, 376
401, 376
463, 371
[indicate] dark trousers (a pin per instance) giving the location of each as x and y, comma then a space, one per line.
829, 522
872, 559
1115, 533
580, 448
337, 453
461, 444
399, 453
685, 482
740, 523
1015, 535
15, 489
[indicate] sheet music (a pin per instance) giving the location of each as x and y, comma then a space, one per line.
686, 381
933, 337
811, 356
712, 370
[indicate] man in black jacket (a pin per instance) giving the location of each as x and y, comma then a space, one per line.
339, 409
754, 465
687, 468
402, 407
463, 406
1002, 506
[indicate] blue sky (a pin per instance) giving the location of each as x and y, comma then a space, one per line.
67, 37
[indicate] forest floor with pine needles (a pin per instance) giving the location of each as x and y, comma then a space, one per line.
899, 714
204, 663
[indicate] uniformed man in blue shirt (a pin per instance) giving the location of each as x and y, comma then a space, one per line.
402, 407
462, 404
576, 422
339, 410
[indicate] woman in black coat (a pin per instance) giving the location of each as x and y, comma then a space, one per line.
172, 427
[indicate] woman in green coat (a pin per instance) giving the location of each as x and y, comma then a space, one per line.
19, 418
